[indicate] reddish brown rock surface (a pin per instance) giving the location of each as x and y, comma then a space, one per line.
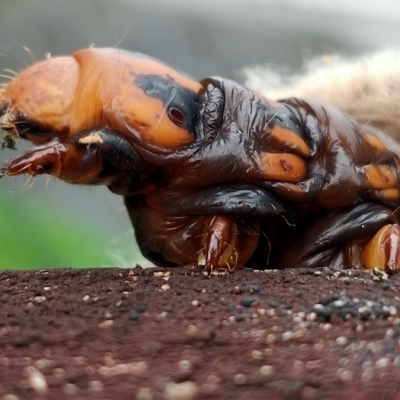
175, 334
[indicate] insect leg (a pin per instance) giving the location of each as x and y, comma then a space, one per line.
329, 237
241, 199
219, 242
127, 170
63, 160
227, 244
90, 157
222, 221
383, 250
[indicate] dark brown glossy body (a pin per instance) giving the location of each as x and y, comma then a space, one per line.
211, 170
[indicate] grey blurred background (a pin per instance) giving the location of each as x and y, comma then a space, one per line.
52, 224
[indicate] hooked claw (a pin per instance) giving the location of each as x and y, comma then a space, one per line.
62, 160
383, 250
220, 243
226, 244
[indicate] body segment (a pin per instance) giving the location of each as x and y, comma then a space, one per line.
212, 173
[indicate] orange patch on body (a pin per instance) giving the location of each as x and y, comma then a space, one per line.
283, 167
379, 176
286, 139
385, 194
374, 142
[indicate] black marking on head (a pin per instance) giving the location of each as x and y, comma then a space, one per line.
181, 103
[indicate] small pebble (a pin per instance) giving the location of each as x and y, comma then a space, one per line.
288, 278
270, 338
39, 299
252, 288
180, 391
169, 308
298, 365
342, 340
274, 303
185, 365
192, 329
256, 354
10, 396
239, 379
140, 308
37, 380
70, 388
59, 373
396, 362
345, 375
309, 393
144, 393
267, 370
247, 301
134, 315
367, 375
287, 335
95, 386
383, 363
106, 324
339, 303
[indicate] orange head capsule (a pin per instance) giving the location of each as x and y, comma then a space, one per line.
41, 98
149, 103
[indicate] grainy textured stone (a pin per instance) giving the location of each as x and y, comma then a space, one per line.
117, 333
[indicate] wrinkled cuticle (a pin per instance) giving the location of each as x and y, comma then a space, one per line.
208, 98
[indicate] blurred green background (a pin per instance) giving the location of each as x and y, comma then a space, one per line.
45, 223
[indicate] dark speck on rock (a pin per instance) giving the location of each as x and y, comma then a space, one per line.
346, 307
288, 278
324, 313
134, 315
140, 308
251, 287
365, 314
347, 312
239, 318
274, 303
229, 305
236, 290
380, 312
169, 308
247, 301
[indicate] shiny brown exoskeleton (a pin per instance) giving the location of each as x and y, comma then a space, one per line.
211, 172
